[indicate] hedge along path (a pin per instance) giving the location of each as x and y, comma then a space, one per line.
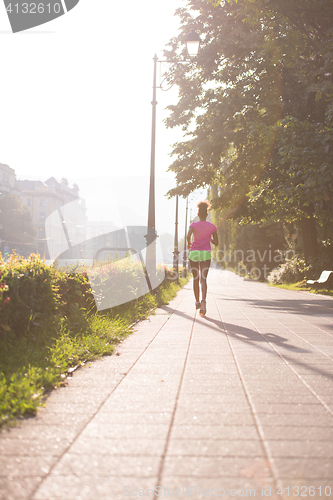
49, 326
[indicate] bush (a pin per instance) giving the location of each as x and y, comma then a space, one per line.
74, 299
28, 294
119, 281
295, 269
323, 261
34, 295
48, 327
291, 271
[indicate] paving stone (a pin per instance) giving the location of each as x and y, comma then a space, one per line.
140, 405
216, 447
137, 378
213, 390
295, 419
139, 396
306, 433
118, 446
156, 368
110, 430
22, 447
225, 417
204, 372
214, 432
18, 490
94, 464
227, 396
46, 417
283, 408
43, 432
159, 389
305, 468
226, 487
301, 398
12, 466
200, 466
91, 488
142, 418
190, 384
71, 408
301, 448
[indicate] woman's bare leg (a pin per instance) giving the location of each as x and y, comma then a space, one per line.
204, 268
194, 268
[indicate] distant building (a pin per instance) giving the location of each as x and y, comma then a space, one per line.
59, 219
7, 180
56, 207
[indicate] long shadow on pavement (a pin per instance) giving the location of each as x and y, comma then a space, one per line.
294, 306
248, 335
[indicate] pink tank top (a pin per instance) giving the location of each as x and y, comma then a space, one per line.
202, 231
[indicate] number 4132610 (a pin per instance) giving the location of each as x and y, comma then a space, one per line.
34, 8
305, 491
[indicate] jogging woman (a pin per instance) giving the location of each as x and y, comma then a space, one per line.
204, 233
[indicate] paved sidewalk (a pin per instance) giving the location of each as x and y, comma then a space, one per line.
239, 402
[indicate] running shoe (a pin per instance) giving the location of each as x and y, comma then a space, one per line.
203, 308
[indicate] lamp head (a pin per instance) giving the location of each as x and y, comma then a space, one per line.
192, 43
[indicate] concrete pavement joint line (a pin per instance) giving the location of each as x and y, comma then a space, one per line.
161, 467
327, 408
95, 413
299, 318
259, 428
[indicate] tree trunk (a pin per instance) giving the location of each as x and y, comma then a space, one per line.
309, 233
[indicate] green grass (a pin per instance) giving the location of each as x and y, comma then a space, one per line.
302, 286
35, 363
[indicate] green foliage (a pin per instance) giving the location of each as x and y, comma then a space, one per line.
30, 368
302, 286
295, 269
252, 249
49, 328
123, 277
167, 291
323, 261
35, 296
74, 296
29, 295
18, 395
291, 271
257, 108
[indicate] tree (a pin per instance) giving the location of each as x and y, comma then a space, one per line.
257, 110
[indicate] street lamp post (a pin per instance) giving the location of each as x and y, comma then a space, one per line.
185, 243
176, 251
192, 42
151, 232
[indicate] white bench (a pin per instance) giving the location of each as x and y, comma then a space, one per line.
323, 278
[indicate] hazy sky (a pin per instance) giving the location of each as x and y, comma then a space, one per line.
76, 98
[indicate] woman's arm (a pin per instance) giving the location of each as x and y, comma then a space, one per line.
189, 234
214, 239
